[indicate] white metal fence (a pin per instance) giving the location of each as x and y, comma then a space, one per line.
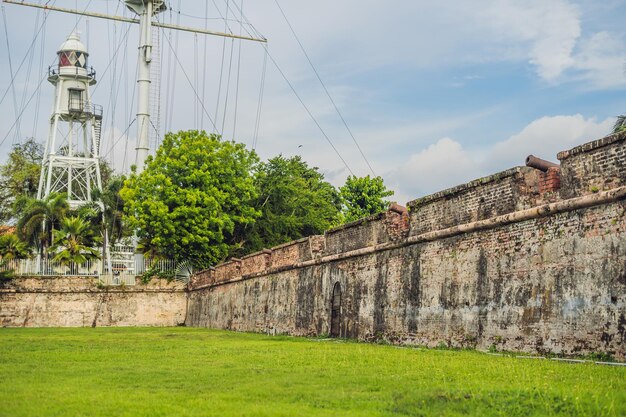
114, 273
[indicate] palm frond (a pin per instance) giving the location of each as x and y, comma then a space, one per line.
620, 124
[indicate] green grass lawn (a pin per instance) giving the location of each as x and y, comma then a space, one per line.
197, 372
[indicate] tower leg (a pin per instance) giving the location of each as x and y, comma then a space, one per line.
70, 168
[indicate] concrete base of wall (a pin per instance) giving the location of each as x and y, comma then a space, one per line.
81, 302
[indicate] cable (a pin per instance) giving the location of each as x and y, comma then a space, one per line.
168, 102
195, 79
158, 135
205, 18
114, 93
15, 108
42, 53
20, 115
190, 83
257, 122
23, 59
118, 139
238, 74
330, 142
42, 80
29, 69
204, 56
219, 89
124, 38
255, 32
176, 34
324, 86
230, 67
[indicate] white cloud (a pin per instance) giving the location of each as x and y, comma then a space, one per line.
545, 137
441, 165
601, 60
447, 163
549, 29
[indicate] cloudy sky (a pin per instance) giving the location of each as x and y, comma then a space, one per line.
435, 93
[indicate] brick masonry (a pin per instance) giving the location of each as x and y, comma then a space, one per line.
594, 166
450, 270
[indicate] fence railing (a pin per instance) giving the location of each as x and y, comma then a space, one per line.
114, 273
109, 279
50, 268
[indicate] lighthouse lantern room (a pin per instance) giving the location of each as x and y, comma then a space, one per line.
71, 158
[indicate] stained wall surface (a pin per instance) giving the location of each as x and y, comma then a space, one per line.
80, 302
522, 260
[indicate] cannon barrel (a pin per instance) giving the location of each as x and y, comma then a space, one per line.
540, 164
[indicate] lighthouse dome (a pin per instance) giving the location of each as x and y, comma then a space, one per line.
73, 53
73, 43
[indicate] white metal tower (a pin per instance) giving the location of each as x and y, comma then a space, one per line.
71, 158
146, 9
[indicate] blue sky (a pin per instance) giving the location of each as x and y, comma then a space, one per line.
435, 94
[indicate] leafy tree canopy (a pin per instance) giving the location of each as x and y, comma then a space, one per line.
39, 219
19, 176
362, 197
294, 201
192, 197
113, 206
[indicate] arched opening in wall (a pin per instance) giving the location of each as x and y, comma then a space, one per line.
335, 311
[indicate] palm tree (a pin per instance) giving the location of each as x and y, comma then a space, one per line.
40, 218
11, 247
113, 208
620, 124
5, 273
75, 242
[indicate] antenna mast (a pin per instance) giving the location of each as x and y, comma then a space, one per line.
145, 9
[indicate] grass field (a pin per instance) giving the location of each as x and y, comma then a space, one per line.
197, 372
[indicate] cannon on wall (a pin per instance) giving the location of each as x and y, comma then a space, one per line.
540, 164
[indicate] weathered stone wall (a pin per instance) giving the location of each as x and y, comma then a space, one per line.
501, 193
509, 260
80, 302
594, 166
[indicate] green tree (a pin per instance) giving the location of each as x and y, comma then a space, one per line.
75, 242
11, 247
112, 209
6, 274
39, 220
294, 201
192, 197
620, 124
362, 197
19, 176
106, 211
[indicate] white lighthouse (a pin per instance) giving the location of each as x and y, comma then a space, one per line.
71, 158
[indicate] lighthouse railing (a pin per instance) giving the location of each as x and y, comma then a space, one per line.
54, 70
